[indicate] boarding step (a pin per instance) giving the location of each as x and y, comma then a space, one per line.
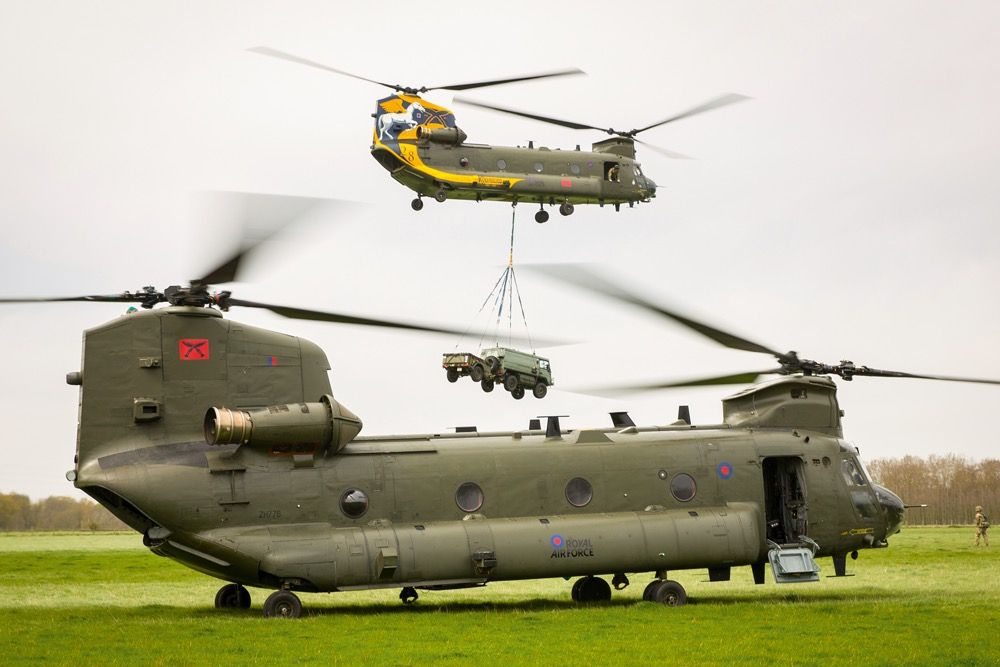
794, 563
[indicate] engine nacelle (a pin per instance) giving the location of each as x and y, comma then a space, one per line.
296, 426
442, 135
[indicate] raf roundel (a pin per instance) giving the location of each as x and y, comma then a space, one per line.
724, 470
557, 541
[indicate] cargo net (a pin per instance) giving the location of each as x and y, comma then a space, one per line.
499, 327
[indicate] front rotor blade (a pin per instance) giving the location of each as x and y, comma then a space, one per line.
274, 53
524, 114
577, 275
497, 82
662, 151
97, 298
875, 372
721, 101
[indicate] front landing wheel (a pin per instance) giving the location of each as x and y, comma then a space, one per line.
541, 216
417, 204
282, 604
232, 596
668, 592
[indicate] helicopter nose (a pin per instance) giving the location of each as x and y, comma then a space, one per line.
893, 508
651, 186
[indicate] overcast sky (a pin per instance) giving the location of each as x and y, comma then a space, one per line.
849, 211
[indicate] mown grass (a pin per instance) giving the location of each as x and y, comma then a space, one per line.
931, 598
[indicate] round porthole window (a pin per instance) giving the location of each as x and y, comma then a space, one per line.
354, 503
469, 497
579, 492
539, 166
501, 164
683, 487
464, 162
575, 169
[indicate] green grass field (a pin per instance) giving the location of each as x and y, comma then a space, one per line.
931, 598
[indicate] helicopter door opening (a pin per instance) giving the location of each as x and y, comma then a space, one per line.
612, 172
784, 499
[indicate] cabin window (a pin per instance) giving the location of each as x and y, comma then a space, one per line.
851, 474
612, 172
575, 169
501, 164
464, 162
579, 492
354, 503
469, 497
683, 487
539, 166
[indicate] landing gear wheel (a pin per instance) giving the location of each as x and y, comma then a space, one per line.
417, 204
647, 593
566, 209
510, 382
282, 604
539, 390
487, 385
541, 216
668, 592
592, 589
575, 592
440, 196
408, 595
518, 393
452, 375
476, 373
232, 596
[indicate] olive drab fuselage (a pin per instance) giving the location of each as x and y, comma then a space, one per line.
331, 511
421, 146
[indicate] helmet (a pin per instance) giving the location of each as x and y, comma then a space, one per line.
979, 508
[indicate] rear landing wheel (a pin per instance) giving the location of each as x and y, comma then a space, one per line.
566, 208
417, 204
232, 596
282, 604
592, 589
440, 196
541, 216
668, 592
408, 595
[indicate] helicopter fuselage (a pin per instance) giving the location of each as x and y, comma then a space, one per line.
331, 511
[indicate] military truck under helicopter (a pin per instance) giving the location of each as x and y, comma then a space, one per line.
514, 370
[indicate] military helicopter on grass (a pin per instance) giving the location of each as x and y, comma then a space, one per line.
223, 445
420, 145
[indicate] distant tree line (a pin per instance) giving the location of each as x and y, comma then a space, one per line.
18, 512
950, 485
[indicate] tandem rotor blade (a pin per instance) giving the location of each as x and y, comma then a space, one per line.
275, 53
579, 276
125, 297
496, 82
714, 103
875, 372
524, 114
662, 151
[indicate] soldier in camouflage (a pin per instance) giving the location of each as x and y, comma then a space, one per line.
982, 526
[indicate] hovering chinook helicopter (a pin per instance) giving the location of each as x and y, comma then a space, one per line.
420, 145
222, 444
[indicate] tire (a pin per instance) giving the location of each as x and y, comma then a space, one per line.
282, 604
566, 209
575, 593
487, 385
541, 216
511, 382
540, 389
417, 204
669, 593
232, 596
440, 196
593, 589
518, 393
452, 374
647, 593
476, 373
493, 364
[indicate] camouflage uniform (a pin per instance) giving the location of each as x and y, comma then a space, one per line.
982, 526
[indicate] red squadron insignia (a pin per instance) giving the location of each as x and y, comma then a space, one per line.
193, 349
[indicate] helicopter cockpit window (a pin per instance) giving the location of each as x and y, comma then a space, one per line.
851, 474
469, 497
579, 492
865, 504
683, 487
354, 503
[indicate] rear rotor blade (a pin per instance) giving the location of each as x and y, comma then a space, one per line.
524, 114
274, 53
126, 297
875, 372
715, 103
662, 151
496, 82
580, 277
